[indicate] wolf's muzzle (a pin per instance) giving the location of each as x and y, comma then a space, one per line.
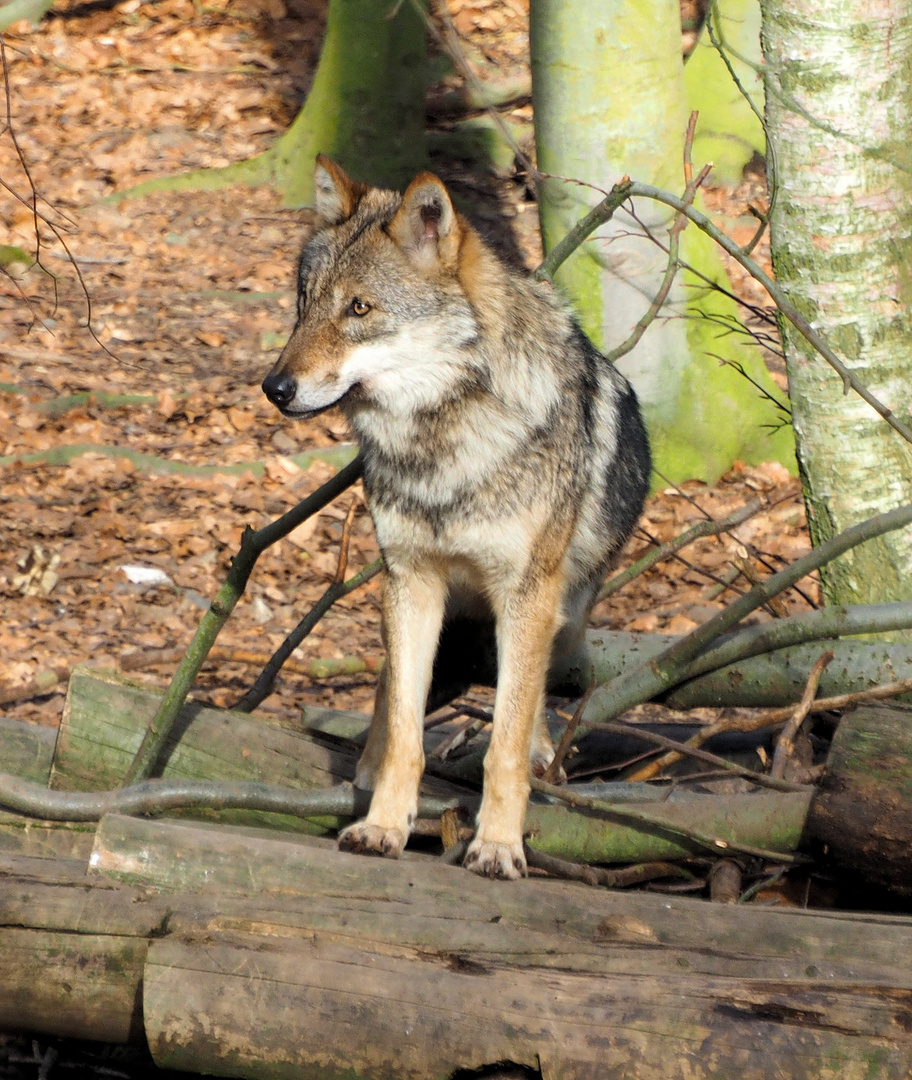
280, 389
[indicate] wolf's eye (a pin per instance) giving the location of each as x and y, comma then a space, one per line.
358, 307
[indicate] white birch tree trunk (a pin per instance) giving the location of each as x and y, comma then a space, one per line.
839, 111
610, 100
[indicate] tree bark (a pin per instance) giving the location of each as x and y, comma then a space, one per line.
839, 112
609, 98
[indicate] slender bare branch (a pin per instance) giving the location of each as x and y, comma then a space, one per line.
678, 661
788, 309
786, 741
263, 686
770, 718
695, 532
252, 546
635, 731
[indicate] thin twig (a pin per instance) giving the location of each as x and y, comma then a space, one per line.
37, 216
794, 316
467, 730
685, 749
772, 161
695, 532
597, 216
599, 875
262, 688
551, 774
772, 717
775, 606
674, 241
786, 741
345, 542
687, 564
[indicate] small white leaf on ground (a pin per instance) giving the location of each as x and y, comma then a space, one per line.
146, 575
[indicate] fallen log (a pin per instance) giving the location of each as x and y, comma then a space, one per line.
72, 954
764, 681
26, 750
106, 716
261, 1009
860, 821
379, 968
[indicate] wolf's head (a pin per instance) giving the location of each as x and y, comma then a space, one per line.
383, 313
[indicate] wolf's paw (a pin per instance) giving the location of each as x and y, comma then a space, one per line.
495, 860
364, 839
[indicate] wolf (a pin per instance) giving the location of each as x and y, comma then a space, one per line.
505, 465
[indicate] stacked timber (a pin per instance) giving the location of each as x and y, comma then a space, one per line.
234, 949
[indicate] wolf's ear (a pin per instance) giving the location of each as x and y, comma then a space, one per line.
335, 193
426, 225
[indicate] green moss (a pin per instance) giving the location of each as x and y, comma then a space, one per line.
365, 108
10, 255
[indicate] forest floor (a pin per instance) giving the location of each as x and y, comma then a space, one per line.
191, 298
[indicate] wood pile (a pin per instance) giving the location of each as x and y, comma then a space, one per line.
239, 950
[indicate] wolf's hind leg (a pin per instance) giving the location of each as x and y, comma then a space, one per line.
368, 767
412, 614
541, 753
568, 651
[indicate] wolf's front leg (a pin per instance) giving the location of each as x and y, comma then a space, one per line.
527, 620
393, 758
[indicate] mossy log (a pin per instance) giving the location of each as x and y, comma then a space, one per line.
71, 953
378, 968
767, 681
861, 814
158, 851
105, 718
26, 750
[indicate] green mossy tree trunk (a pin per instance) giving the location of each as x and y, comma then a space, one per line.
608, 83
365, 108
838, 102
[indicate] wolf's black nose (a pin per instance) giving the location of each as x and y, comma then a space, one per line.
280, 389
